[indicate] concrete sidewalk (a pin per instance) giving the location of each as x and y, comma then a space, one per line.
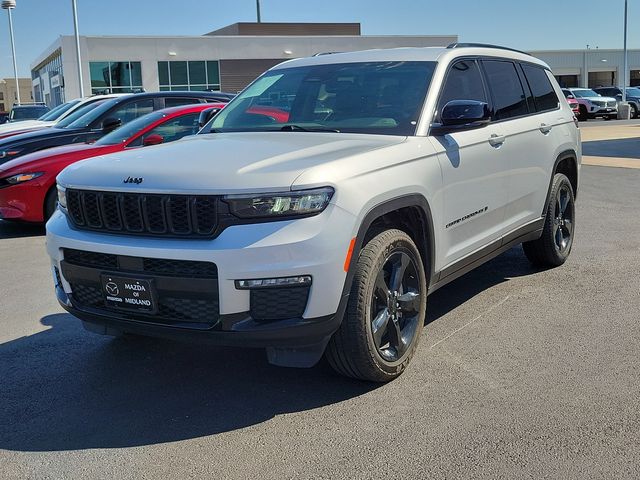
602, 139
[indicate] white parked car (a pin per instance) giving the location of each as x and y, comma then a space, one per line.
53, 116
593, 104
315, 213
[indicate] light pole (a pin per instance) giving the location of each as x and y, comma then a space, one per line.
258, 10
626, 60
75, 27
9, 5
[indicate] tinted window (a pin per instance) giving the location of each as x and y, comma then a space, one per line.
132, 110
508, 96
178, 101
464, 82
176, 128
125, 132
544, 96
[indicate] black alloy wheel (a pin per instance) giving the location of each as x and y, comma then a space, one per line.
563, 219
395, 306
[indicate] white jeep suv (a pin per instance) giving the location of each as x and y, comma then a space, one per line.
315, 213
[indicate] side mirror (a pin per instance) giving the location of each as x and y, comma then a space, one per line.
619, 96
570, 96
111, 123
207, 115
153, 139
458, 115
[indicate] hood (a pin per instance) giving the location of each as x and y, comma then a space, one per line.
21, 130
38, 161
23, 125
221, 162
32, 135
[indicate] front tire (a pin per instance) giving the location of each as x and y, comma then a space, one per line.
50, 203
385, 313
583, 116
633, 110
554, 246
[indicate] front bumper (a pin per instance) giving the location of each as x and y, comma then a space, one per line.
314, 246
595, 110
24, 201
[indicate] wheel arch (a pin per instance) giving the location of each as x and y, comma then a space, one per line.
567, 164
410, 213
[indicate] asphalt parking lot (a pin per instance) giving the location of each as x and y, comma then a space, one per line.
520, 373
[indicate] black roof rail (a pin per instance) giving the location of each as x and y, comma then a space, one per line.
484, 45
320, 54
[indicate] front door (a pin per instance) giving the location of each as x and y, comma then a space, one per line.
473, 173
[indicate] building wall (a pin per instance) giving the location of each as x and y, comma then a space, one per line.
259, 50
8, 94
593, 67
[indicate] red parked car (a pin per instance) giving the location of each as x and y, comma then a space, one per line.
28, 184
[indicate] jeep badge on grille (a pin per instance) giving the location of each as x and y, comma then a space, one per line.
136, 180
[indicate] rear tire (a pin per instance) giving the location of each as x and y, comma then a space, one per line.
633, 110
385, 313
554, 246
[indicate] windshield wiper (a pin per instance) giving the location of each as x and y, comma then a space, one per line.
297, 128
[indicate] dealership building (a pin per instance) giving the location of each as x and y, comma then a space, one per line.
226, 59
591, 67
229, 58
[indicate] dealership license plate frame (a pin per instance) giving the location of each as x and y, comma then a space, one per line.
147, 293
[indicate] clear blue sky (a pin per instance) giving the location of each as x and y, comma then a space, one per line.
523, 24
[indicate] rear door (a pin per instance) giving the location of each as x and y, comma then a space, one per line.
536, 139
472, 164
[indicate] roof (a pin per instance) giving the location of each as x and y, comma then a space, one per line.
287, 28
418, 54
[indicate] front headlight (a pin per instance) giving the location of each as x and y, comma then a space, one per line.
22, 177
62, 197
275, 205
8, 153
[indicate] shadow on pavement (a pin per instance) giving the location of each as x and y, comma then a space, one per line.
19, 230
66, 389
620, 148
510, 264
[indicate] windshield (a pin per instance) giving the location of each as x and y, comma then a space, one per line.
127, 131
374, 97
79, 113
634, 92
27, 113
584, 93
58, 111
95, 114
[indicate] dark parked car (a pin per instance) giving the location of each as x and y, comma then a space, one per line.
28, 111
101, 120
633, 97
4, 117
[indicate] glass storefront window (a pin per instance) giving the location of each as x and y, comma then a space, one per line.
213, 73
178, 72
115, 77
198, 75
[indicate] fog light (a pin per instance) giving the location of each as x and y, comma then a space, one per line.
301, 281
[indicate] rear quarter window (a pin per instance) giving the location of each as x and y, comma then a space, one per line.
544, 96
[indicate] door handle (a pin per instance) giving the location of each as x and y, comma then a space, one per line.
544, 128
496, 140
